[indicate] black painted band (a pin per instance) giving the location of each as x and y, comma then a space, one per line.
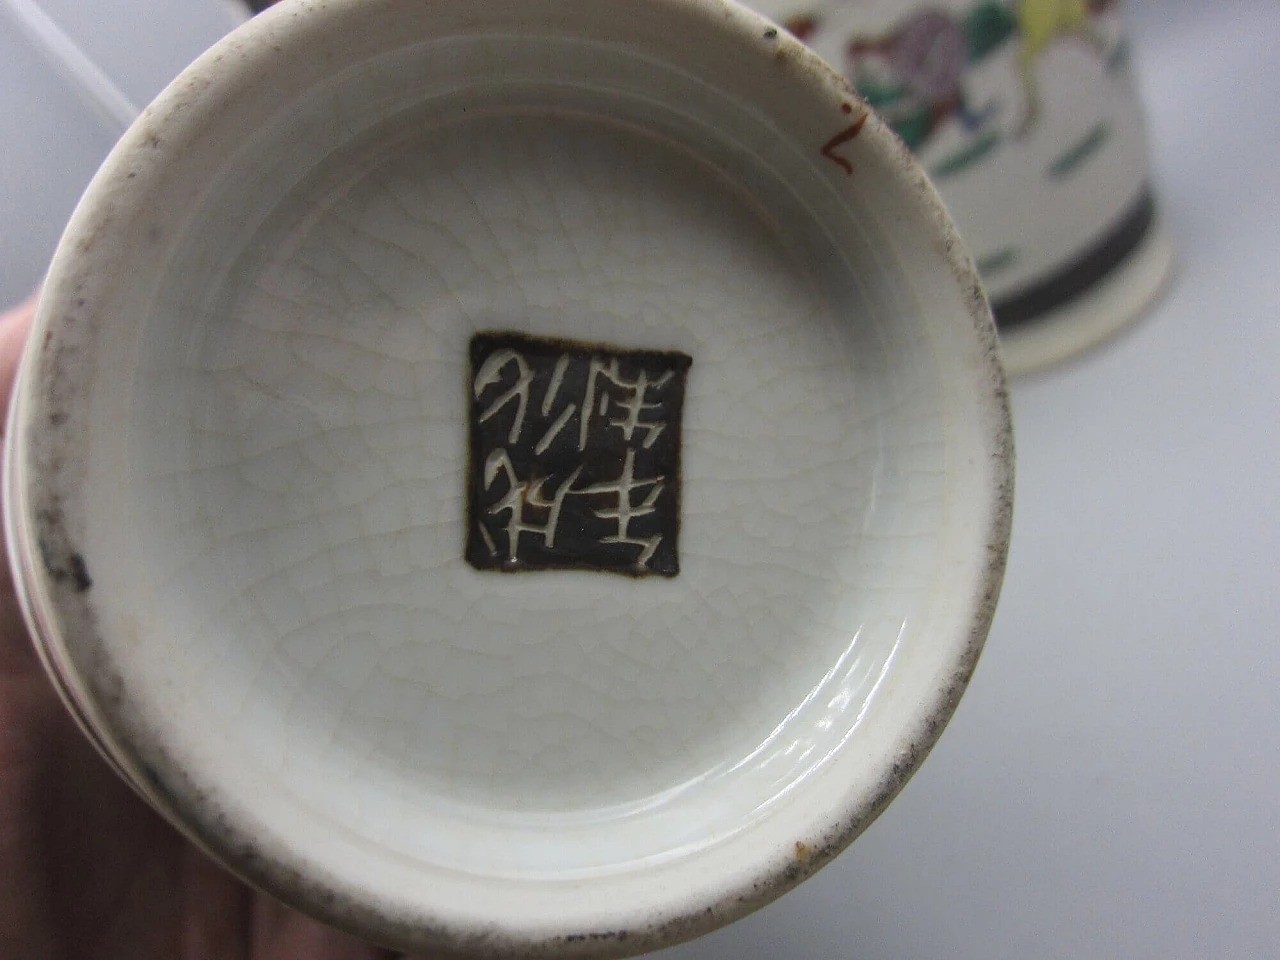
1082, 272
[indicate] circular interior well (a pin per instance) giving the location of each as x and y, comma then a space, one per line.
292, 483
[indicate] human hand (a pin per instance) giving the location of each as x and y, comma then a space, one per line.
88, 871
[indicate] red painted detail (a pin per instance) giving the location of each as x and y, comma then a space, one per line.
843, 137
801, 27
845, 108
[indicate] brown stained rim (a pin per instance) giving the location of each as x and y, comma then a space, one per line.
103, 700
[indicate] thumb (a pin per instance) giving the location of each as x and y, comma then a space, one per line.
15, 324
16, 655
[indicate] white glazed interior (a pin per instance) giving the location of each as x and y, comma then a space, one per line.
258, 330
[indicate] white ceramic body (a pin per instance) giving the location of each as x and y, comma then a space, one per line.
1026, 116
237, 467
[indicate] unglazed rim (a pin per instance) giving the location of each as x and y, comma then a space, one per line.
52, 598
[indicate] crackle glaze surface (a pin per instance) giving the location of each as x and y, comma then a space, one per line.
310, 437
246, 426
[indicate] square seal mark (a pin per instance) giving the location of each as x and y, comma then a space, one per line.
574, 456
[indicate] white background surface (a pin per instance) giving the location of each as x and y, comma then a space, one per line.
1109, 786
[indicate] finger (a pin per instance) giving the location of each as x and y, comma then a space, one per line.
214, 912
15, 324
27, 927
280, 933
28, 710
17, 658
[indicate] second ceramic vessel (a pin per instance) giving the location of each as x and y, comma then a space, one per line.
1026, 116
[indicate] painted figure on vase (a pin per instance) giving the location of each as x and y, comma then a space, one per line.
917, 75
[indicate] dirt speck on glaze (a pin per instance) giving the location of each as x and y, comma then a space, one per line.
63, 563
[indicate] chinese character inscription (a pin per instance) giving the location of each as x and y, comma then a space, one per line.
574, 456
